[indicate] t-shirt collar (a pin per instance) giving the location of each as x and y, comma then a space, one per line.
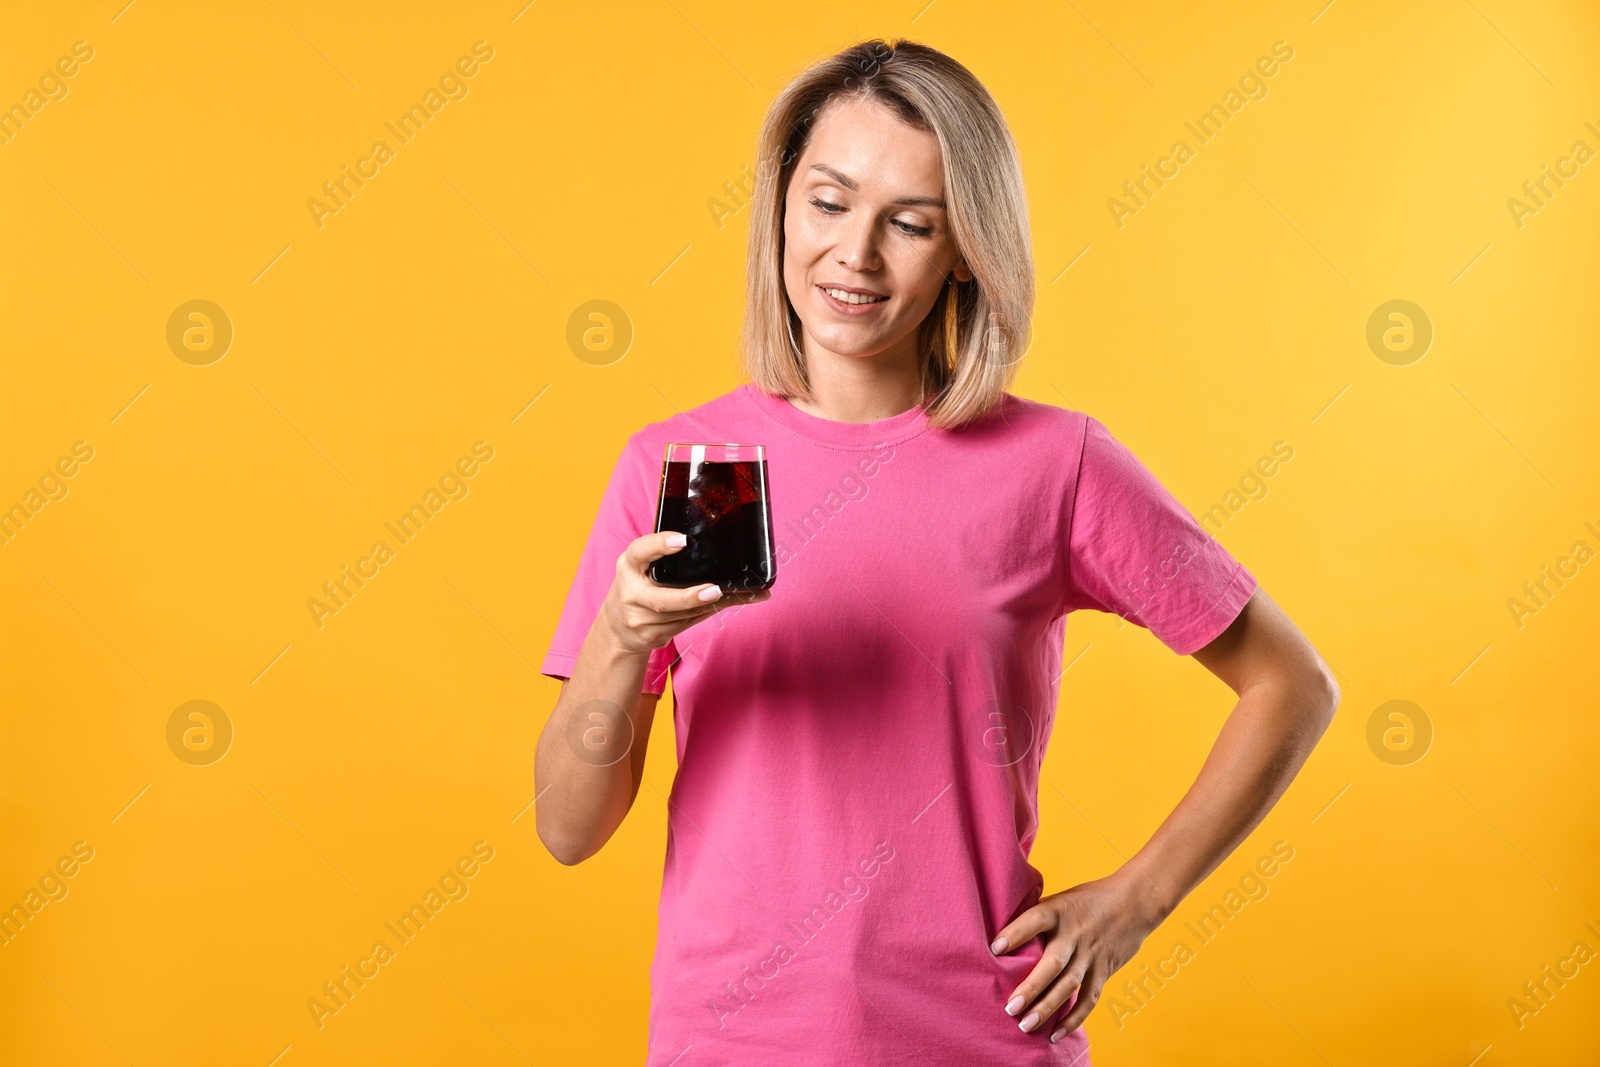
849, 435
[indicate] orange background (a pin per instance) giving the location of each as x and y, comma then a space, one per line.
369, 353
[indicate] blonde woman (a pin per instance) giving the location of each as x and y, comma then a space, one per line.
846, 877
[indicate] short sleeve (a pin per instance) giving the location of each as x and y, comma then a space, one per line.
627, 511
1134, 550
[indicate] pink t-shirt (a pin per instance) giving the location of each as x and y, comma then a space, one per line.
858, 758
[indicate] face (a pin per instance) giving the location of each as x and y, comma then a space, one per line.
865, 212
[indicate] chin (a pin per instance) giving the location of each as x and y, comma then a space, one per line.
851, 348
850, 339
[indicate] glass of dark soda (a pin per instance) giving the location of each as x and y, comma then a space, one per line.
716, 496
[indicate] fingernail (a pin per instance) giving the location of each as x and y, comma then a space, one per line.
676, 540
1015, 1004
1029, 1021
1059, 1034
1000, 945
710, 593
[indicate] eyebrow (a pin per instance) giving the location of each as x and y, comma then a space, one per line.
848, 183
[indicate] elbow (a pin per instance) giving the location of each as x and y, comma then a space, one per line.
560, 845
566, 853
1325, 689
566, 848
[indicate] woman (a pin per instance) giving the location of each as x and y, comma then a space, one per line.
846, 875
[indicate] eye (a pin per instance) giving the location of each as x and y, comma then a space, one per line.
907, 228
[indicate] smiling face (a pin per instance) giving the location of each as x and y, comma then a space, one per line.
865, 214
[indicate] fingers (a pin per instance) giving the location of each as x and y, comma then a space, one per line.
667, 601
637, 588
1061, 971
1042, 992
687, 613
723, 602
649, 614
642, 551
736, 597
1055, 997
1057, 954
1088, 997
1024, 928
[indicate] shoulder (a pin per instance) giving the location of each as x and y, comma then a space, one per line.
1020, 418
1064, 438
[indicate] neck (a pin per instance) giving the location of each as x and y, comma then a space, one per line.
861, 388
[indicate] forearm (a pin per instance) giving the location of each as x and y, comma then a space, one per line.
1261, 747
584, 770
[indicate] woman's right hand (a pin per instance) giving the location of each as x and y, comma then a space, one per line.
643, 615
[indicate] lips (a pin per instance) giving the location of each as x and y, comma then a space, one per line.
855, 301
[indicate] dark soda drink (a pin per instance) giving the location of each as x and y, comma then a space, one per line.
716, 495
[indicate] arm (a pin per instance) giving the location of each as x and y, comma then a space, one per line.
602, 715
584, 784
1287, 696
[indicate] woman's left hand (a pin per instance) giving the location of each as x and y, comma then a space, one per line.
1089, 932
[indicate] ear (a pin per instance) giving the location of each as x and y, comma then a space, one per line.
961, 272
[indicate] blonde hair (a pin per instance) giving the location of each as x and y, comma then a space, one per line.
986, 204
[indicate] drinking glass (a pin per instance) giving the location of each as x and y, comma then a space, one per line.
716, 496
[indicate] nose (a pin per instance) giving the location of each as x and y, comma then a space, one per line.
857, 249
